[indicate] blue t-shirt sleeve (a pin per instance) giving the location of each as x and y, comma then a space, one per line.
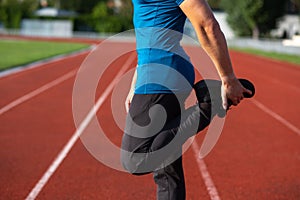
179, 2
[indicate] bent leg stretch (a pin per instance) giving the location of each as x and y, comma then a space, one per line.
160, 152
146, 154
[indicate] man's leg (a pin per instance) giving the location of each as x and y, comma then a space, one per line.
170, 178
147, 154
170, 181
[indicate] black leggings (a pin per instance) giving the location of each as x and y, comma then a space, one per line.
153, 139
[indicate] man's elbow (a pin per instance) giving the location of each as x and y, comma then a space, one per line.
212, 27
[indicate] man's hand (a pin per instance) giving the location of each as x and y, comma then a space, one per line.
131, 92
128, 100
232, 89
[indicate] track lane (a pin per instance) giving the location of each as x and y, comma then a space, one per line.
81, 176
256, 151
259, 163
19, 84
31, 136
18, 187
259, 160
102, 182
31, 133
277, 83
80, 129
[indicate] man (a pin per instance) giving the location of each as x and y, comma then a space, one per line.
165, 77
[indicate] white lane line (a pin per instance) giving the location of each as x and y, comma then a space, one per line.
64, 152
210, 186
277, 117
37, 92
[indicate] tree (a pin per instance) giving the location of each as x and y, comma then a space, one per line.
94, 15
105, 17
12, 11
253, 17
297, 2
214, 4
98, 15
80, 6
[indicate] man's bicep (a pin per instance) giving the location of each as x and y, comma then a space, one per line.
198, 11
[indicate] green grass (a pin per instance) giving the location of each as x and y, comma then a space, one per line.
273, 55
20, 52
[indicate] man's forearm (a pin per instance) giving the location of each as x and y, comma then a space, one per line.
213, 42
209, 35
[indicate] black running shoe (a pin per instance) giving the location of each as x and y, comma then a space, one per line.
209, 91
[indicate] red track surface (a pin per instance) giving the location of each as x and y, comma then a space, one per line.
257, 156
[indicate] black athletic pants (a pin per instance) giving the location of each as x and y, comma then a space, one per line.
157, 149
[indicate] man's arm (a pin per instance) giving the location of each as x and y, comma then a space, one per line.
213, 42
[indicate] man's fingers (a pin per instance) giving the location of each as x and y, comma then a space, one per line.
224, 98
127, 107
249, 92
234, 93
128, 101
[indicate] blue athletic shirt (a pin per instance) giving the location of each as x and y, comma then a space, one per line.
163, 66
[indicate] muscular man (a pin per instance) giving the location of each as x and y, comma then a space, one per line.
165, 77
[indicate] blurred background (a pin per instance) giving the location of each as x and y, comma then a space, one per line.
247, 18
268, 25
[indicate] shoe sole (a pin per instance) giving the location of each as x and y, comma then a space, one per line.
203, 87
211, 89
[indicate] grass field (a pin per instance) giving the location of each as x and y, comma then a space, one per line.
20, 52
276, 56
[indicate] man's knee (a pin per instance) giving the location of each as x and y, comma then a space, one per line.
133, 164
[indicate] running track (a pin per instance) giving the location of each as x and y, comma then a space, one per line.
257, 156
